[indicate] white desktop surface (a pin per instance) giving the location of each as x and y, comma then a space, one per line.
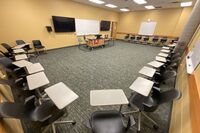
164, 47
147, 71
107, 97
61, 95
161, 59
165, 51
37, 67
171, 45
37, 80
19, 46
22, 63
21, 57
16, 51
163, 54
142, 86
156, 64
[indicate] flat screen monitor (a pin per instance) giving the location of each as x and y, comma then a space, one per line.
105, 26
63, 24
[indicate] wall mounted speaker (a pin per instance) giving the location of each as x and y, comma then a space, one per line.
49, 29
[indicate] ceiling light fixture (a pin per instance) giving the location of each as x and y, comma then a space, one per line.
111, 5
97, 1
186, 4
140, 1
124, 9
149, 7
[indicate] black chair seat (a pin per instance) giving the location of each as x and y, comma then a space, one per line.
107, 122
39, 47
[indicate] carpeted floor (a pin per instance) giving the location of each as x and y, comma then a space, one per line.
113, 67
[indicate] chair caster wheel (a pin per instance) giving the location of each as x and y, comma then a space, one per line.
155, 127
73, 123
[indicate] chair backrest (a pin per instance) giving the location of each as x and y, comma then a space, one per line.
37, 43
7, 47
169, 96
20, 42
6, 62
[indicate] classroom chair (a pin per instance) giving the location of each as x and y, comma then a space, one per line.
132, 38
127, 37
110, 121
7, 47
151, 103
27, 48
45, 114
11, 69
163, 41
155, 40
145, 40
38, 46
138, 39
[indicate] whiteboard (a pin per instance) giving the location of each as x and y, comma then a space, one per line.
86, 27
147, 28
193, 58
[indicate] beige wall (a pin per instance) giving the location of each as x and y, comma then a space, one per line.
170, 22
26, 19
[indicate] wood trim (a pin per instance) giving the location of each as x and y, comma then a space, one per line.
150, 35
194, 104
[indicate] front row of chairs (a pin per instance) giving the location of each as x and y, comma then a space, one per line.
37, 45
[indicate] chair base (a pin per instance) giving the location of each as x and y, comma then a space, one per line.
140, 113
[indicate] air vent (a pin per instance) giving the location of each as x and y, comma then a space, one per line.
158, 7
176, 2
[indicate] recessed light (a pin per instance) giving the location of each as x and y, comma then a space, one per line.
97, 1
185, 4
149, 7
124, 9
140, 1
111, 5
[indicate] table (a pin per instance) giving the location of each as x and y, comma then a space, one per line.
156, 64
37, 67
107, 97
147, 71
161, 59
37, 80
22, 63
21, 57
164, 47
165, 51
19, 46
142, 86
61, 95
95, 42
17, 51
163, 54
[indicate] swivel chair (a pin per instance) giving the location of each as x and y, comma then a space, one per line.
145, 40
44, 114
151, 103
138, 39
163, 41
11, 69
110, 121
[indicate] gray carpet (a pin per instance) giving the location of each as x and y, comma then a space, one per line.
108, 68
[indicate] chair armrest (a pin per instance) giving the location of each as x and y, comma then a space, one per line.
156, 88
30, 102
